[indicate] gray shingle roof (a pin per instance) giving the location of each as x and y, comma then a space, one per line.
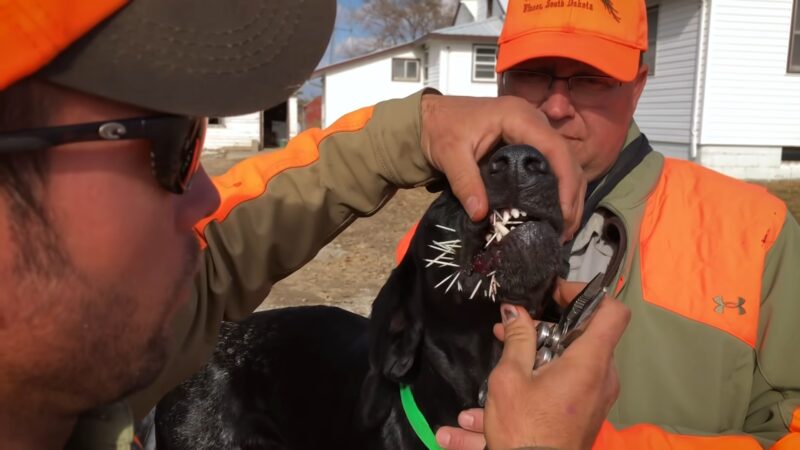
490, 27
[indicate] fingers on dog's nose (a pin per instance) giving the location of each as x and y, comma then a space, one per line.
465, 180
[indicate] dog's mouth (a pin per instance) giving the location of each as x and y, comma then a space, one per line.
511, 256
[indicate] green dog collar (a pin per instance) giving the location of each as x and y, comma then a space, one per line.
417, 419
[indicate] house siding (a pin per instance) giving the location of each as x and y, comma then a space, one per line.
236, 132
456, 68
434, 52
665, 110
366, 83
752, 106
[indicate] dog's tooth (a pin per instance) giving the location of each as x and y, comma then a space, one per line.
499, 237
506, 215
523, 214
502, 229
515, 213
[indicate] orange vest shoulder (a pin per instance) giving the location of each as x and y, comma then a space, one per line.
703, 243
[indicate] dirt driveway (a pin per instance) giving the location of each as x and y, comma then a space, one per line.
348, 272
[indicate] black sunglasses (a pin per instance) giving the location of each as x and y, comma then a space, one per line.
176, 143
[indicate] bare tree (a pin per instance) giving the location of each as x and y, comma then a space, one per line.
392, 22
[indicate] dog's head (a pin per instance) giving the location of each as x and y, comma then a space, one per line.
456, 272
512, 255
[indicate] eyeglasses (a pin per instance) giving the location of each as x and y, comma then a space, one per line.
584, 90
176, 143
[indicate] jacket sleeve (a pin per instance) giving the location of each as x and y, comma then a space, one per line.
278, 209
773, 418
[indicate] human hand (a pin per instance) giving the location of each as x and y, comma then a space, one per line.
458, 131
527, 408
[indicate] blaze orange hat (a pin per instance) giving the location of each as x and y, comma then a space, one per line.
606, 34
193, 57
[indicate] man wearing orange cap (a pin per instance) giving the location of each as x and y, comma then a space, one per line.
707, 264
102, 117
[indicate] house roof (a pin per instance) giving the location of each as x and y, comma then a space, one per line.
489, 28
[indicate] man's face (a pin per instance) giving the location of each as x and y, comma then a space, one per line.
90, 285
595, 130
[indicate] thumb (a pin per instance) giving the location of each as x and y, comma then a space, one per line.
465, 180
519, 350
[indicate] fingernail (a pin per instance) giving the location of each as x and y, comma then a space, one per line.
443, 438
509, 314
466, 420
472, 206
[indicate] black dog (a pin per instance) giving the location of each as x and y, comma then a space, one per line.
319, 377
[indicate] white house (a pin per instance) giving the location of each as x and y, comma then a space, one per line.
263, 129
724, 88
457, 60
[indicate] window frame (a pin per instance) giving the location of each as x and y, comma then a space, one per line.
405, 70
794, 39
652, 51
476, 63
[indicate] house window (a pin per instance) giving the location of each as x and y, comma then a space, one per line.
216, 121
405, 69
484, 59
794, 40
649, 57
790, 154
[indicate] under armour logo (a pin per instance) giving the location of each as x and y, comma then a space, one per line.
722, 305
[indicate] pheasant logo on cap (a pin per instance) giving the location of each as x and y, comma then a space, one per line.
609, 5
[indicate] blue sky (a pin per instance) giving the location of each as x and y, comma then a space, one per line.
342, 30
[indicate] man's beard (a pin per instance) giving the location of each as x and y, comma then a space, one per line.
103, 355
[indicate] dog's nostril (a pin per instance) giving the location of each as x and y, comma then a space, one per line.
535, 165
499, 164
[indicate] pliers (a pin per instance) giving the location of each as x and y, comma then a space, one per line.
553, 338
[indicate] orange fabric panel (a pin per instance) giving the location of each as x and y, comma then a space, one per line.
248, 179
651, 437
794, 427
405, 242
704, 238
32, 33
789, 442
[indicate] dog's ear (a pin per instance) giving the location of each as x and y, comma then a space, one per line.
396, 328
395, 333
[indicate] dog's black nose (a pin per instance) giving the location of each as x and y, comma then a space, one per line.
517, 165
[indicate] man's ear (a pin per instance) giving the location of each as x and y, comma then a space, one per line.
396, 329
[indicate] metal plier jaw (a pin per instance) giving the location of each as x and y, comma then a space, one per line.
553, 338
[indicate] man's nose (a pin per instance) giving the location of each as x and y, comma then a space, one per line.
557, 106
516, 165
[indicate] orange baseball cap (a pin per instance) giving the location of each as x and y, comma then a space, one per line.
606, 34
32, 33
192, 57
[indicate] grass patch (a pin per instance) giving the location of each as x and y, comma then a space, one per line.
788, 191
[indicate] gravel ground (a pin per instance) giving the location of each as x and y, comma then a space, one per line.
350, 270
